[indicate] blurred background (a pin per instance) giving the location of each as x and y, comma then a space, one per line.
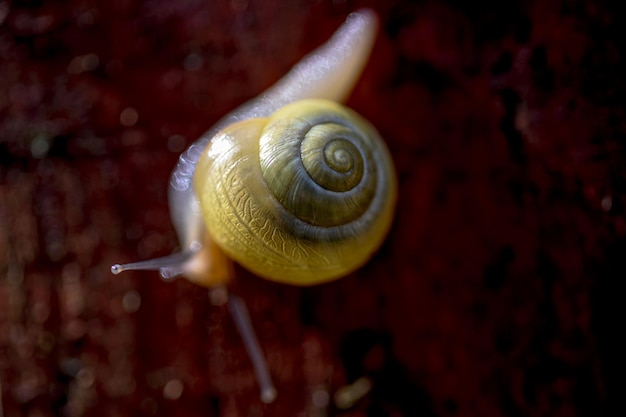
496, 293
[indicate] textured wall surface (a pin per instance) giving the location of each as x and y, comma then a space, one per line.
494, 295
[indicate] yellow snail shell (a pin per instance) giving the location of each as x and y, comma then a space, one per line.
301, 197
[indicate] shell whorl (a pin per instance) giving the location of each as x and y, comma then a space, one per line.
326, 151
304, 196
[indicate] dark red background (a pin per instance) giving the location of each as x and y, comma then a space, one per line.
495, 294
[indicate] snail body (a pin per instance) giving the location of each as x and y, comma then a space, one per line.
329, 73
241, 191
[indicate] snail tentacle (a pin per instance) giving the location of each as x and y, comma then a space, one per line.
169, 267
241, 317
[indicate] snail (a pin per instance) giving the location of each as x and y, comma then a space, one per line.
292, 185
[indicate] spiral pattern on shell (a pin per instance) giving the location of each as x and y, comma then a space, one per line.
304, 196
326, 155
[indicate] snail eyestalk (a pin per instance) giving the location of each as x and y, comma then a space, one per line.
169, 267
240, 315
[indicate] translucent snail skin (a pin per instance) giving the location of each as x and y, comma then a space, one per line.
292, 185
